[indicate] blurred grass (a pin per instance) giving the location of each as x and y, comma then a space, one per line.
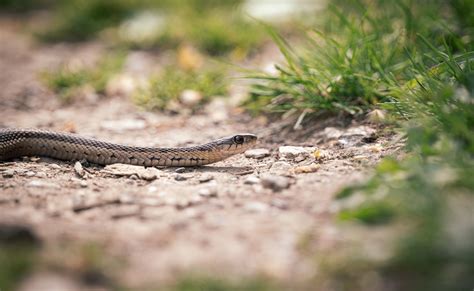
216, 284
23, 5
18, 254
68, 80
215, 27
165, 89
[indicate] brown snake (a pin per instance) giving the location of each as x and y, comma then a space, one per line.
16, 143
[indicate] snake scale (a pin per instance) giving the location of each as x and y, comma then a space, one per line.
15, 142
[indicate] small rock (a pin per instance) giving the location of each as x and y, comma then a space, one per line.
180, 177
122, 85
149, 174
291, 151
35, 159
252, 180
83, 184
360, 158
332, 133
8, 173
30, 174
306, 169
257, 153
300, 158
122, 169
78, 169
134, 172
55, 166
190, 98
41, 175
41, 184
280, 168
206, 178
278, 203
208, 192
276, 183
180, 170
255, 206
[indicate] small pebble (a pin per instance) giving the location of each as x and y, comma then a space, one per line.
149, 174
180, 170
190, 98
257, 153
78, 169
180, 178
41, 175
300, 158
276, 183
206, 178
30, 174
8, 173
291, 152
55, 166
252, 180
255, 206
306, 169
208, 192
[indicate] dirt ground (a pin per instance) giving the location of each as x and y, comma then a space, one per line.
240, 218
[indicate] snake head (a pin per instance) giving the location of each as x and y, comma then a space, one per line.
236, 144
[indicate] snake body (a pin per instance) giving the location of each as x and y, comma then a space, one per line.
16, 143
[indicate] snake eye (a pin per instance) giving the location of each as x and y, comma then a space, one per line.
238, 139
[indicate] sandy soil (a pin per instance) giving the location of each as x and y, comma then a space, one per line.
242, 217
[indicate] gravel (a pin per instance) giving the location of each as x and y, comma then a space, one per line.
275, 183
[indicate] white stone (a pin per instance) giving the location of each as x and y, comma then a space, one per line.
291, 152
257, 153
255, 206
190, 98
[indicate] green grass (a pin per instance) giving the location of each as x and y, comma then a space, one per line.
215, 27
18, 255
68, 81
355, 59
216, 284
166, 88
24, 5
415, 60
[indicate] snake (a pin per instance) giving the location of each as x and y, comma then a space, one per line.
20, 142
